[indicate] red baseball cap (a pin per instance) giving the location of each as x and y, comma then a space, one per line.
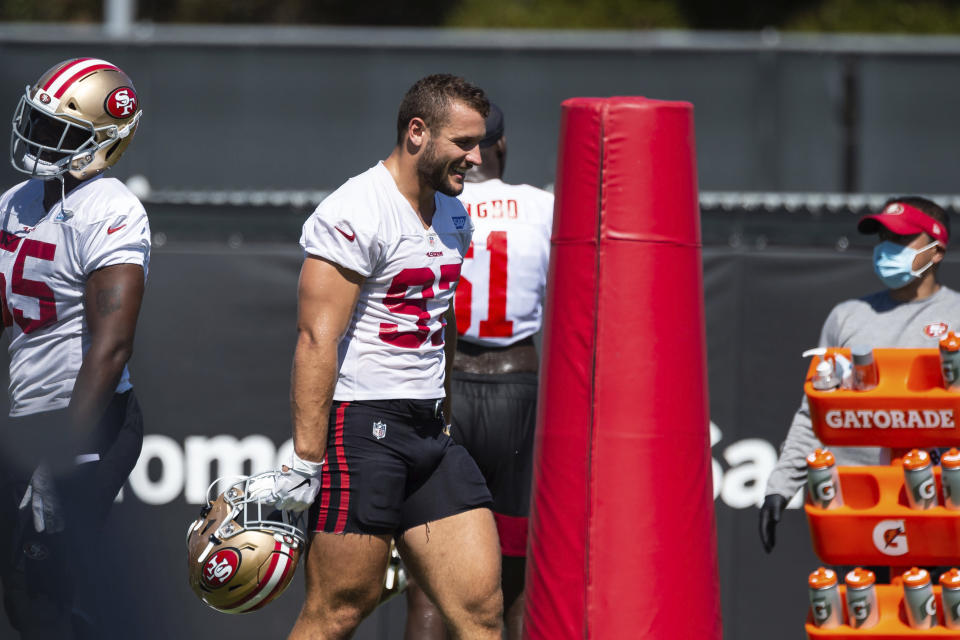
903, 220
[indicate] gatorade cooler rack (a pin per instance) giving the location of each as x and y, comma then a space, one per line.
893, 621
909, 408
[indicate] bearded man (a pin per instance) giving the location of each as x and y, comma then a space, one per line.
373, 458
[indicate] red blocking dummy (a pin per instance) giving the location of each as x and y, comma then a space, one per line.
622, 532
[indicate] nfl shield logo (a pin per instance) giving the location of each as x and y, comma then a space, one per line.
379, 430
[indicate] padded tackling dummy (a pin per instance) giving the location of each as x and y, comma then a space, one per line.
622, 533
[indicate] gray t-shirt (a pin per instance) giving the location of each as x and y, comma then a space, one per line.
875, 321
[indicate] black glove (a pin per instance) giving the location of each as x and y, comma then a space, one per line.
769, 517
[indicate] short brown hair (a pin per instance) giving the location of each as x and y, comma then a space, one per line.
430, 98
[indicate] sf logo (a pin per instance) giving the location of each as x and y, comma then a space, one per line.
123, 101
218, 571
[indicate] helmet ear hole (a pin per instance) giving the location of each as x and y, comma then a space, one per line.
72, 104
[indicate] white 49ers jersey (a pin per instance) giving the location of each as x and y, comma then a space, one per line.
45, 259
500, 296
393, 347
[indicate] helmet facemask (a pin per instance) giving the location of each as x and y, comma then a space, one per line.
78, 118
246, 514
47, 145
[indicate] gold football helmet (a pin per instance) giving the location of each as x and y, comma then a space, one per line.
241, 554
79, 117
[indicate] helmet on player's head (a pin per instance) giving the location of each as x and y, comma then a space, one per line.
242, 554
79, 117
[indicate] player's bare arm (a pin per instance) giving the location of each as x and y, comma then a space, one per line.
112, 298
327, 297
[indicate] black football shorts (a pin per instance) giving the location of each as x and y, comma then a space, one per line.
390, 467
494, 418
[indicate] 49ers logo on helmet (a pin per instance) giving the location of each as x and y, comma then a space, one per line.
221, 567
121, 103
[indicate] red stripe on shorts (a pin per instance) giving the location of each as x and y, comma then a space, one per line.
325, 483
513, 535
344, 472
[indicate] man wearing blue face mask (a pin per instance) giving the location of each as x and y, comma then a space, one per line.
914, 311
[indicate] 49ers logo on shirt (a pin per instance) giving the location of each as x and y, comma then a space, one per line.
121, 103
221, 567
936, 330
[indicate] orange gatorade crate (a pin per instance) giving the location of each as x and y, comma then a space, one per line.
875, 525
908, 408
893, 621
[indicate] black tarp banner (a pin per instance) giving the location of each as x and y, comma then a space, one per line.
211, 369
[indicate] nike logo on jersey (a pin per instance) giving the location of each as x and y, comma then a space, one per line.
114, 229
348, 236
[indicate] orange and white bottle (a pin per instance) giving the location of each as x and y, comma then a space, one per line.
950, 585
920, 486
862, 610
918, 600
825, 605
823, 481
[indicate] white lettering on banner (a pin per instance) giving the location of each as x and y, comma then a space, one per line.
189, 470
892, 419
751, 460
168, 469
170, 482
230, 456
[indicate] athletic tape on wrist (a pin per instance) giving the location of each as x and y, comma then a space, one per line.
306, 467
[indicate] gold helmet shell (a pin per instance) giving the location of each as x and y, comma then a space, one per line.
241, 554
78, 118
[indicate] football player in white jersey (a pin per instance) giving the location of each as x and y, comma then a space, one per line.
494, 378
74, 251
376, 334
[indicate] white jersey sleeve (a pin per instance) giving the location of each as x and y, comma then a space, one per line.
120, 238
500, 296
340, 235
